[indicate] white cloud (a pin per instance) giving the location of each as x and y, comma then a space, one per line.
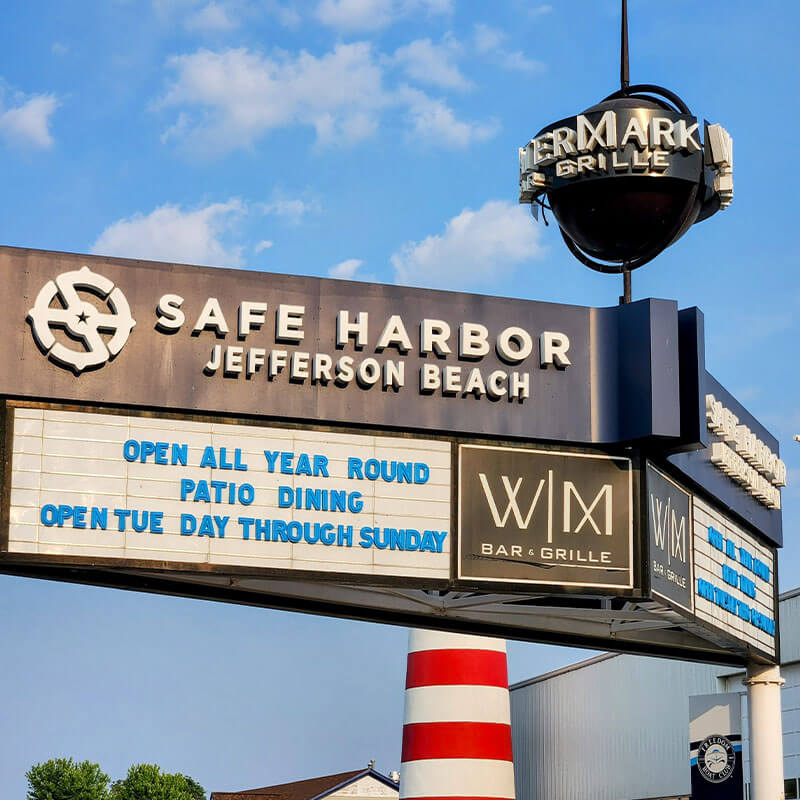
490, 42
212, 17
264, 244
205, 16
290, 210
434, 122
27, 123
519, 62
171, 234
539, 11
431, 63
223, 15
371, 15
362, 15
232, 98
286, 15
178, 130
346, 270
486, 38
242, 95
476, 248
59, 49
165, 8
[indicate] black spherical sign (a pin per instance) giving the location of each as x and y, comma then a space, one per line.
627, 177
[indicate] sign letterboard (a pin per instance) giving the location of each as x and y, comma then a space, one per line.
735, 578
187, 492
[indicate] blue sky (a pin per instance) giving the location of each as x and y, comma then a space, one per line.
374, 139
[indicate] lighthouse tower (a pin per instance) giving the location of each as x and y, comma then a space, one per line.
457, 726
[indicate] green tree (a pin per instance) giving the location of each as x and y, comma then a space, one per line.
148, 782
65, 779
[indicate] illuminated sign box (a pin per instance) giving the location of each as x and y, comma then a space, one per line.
187, 492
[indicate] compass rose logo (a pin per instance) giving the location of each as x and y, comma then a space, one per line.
66, 304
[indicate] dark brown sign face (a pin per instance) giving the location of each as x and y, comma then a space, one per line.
545, 517
164, 336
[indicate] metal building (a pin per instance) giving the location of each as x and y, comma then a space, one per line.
615, 727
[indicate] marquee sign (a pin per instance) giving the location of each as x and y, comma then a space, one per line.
382, 453
132, 488
708, 565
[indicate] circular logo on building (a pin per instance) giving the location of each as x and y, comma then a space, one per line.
68, 305
716, 758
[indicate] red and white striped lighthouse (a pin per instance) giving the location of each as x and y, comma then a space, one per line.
457, 727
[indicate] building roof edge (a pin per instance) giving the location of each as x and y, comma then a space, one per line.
587, 662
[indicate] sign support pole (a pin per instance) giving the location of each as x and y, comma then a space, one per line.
766, 742
624, 59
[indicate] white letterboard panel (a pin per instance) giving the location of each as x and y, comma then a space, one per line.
734, 580
143, 488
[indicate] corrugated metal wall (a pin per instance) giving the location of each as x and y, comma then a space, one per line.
790, 629
617, 728
790, 702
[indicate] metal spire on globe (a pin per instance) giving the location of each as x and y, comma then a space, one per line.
628, 176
